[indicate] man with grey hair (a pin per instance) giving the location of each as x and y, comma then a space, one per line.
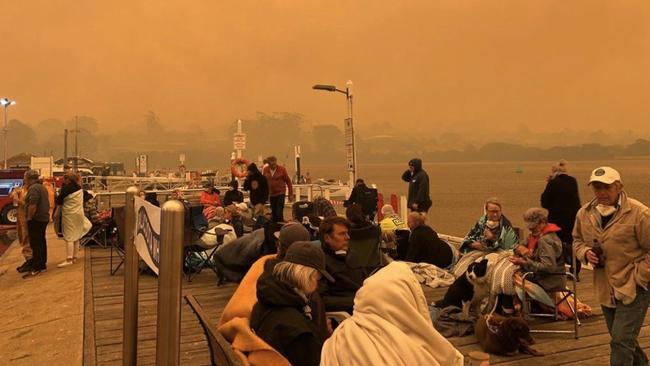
38, 216
612, 233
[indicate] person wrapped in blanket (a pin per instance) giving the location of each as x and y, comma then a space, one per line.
492, 232
542, 254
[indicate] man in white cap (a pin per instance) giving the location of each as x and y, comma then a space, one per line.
612, 233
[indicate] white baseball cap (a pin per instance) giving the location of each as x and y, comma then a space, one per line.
604, 174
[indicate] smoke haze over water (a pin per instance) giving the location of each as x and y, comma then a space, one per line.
420, 68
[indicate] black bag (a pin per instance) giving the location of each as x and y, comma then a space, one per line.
368, 198
301, 209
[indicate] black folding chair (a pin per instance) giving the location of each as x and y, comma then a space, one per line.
116, 238
198, 226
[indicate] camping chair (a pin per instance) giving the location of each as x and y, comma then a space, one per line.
566, 293
97, 235
221, 352
365, 253
198, 226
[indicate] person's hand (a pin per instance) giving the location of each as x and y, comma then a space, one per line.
489, 235
329, 326
290, 198
414, 206
522, 251
517, 261
476, 245
591, 257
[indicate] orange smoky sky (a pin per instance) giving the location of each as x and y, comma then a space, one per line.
416, 64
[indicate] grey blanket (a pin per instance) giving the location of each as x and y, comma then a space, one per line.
449, 322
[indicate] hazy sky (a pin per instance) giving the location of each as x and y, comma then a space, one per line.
418, 64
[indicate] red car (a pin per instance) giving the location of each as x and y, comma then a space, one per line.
9, 180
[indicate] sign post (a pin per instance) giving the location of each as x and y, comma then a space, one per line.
239, 140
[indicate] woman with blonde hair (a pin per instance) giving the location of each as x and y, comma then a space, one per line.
282, 316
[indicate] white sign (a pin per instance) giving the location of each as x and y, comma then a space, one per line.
349, 144
142, 161
182, 158
43, 165
239, 141
147, 232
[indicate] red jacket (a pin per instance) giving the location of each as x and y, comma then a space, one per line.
208, 199
278, 181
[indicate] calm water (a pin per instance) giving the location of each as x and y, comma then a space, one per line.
458, 190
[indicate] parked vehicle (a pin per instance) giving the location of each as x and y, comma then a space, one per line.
10, 179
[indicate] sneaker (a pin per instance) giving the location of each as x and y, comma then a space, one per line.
33, 273
67, 262
24, 267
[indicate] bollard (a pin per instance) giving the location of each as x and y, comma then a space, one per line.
170, 284
310, 194
296, 191
403, 207
131, 260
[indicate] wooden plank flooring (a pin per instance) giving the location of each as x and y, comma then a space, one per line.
107, 298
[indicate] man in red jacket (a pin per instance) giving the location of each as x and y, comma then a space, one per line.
279, 181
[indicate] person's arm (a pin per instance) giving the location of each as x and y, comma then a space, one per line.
32, 205
414, 248
304, 350
545, 263
287, 180
333, 302
204, 199
545, 199
422, 197
579, 244
642, 229
472, 237
406, 176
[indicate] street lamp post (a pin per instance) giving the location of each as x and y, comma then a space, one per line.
351, 151
5, 102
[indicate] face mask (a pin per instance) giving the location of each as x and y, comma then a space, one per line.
341, 252
492, 224
606, 210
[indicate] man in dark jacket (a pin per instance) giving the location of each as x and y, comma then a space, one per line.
562, 200
335, 239
364, 196
418, 179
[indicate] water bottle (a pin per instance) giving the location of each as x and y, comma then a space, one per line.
598, 251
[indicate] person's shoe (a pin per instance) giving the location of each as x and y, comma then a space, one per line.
67, 262
24, 267
33, 273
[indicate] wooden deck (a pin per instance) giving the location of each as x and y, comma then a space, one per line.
103, 314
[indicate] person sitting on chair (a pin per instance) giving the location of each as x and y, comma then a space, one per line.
233, 195
492, 232
542, 254
210, 196
282, 316
425, 245
391, 220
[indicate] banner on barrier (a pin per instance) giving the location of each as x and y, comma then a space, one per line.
147, 232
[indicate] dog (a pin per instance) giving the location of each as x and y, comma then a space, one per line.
467, 290
506, 336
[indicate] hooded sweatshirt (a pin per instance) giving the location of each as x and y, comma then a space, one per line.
418, 186
261, 193
281, 318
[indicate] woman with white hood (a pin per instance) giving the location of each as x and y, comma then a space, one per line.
390, 325
74, 224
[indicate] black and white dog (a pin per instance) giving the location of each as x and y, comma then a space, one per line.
468, 290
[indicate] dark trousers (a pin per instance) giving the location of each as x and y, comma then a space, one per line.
567, 254
36, 231
277, 208
624, 324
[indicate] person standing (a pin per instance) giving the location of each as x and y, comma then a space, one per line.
18, 195
418, 180
74, 223
279, 183
257, 186
38, 207
562, 200
612, 233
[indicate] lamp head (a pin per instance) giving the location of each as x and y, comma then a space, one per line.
330, 88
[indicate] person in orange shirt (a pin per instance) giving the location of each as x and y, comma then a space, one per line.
210, 196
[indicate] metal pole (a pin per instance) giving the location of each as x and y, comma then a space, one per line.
5, 135
75, 166
131, 261
353, 173
65, 149
170, 284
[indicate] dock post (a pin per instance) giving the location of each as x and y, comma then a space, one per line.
296, 191
170, 283
403, 208
131, 259
310, 194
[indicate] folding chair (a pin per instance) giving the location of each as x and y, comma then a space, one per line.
198, 226
116, 238
97, 235
221, 352
566, 294
365, 253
